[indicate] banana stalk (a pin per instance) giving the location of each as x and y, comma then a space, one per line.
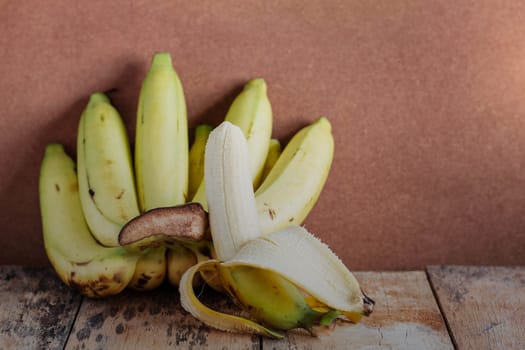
285, 279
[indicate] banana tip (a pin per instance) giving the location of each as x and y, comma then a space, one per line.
161, 59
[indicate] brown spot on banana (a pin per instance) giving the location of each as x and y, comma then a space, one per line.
120, 194
272, 213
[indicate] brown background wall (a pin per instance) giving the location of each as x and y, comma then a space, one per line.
427, 101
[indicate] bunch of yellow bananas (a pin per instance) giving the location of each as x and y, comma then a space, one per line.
225, 211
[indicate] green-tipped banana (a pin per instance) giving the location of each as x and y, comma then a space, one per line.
79, 260
283, 280
105, 171
295, 182
251, 111
196, 158
161, 153
161, 144
274, 151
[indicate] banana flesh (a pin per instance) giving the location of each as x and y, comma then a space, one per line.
285, 279
299, 173
229, 190
79, 260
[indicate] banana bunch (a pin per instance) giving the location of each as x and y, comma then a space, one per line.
225, 211
111, 189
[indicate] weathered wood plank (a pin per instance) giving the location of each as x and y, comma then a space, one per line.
484, 306
37, 310
406, 316
149, 320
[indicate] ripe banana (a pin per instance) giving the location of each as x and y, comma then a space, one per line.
79, 260
274, 151
295, 182
150, 271
196, 158
251, 111
180, 259
161, 152
285, 279
105, 172
161, 144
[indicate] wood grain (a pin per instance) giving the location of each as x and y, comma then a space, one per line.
484, 306
149, 320
36, 309
406, 316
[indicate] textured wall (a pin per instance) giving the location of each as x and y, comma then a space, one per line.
426, 100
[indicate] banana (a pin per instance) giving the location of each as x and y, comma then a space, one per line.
150, 271
299, 174
196, 158
161, 154
180, 259
105, 172
285, 279
161, 144
274, 151
229, 190
79, 260
251, 111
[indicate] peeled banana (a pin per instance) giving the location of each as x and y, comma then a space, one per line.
286, 279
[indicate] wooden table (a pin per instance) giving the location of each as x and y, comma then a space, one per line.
444, 307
